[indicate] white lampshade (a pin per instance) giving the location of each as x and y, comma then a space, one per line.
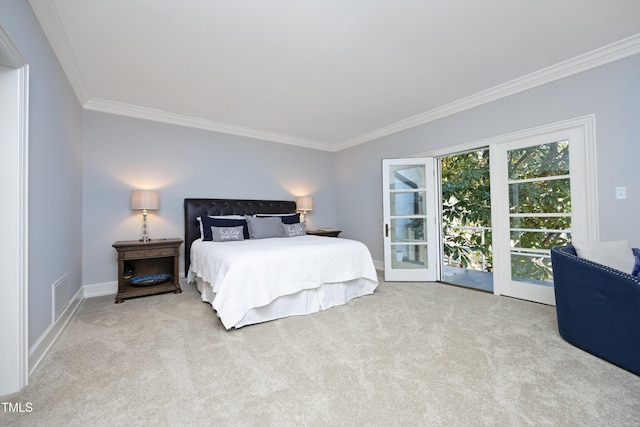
145, 199
304, 203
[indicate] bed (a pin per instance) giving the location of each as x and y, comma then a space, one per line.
254, 280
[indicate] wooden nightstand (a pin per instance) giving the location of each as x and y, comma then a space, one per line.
155, 257
326, 233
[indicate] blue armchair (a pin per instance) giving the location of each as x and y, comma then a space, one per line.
598, 308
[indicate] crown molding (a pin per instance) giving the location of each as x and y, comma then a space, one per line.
47, 15
10, 56
604, 55
112, 107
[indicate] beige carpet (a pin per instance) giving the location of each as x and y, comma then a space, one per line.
411, 355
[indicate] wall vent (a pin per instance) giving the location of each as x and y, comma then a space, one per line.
60, 296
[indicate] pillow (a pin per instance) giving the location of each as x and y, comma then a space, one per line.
292, 218
262, 228
615, 254
217, 217
293, 230
227, 216
207, 222
227, 234
636, 266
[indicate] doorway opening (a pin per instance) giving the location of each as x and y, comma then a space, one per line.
14, 110
467, 253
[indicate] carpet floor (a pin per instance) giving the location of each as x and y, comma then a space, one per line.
412, 354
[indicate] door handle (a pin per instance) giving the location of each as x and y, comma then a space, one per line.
386, 230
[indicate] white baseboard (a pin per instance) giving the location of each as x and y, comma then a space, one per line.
100, 289
44, 343
109, 288
379, 265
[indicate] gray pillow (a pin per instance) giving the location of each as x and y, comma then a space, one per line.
292, 230
616, 254
227, 234
262, 228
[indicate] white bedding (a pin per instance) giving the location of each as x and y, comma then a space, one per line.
247, 276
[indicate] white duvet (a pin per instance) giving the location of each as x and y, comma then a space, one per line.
252, 273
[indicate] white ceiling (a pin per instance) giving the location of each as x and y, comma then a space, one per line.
326, 74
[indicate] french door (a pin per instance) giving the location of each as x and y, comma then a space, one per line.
410, 226
543, 194
539, 200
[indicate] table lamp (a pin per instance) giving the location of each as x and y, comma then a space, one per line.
304, 204
145, 200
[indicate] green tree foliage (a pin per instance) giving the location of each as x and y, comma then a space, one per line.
466, 202
539, 184
545, 189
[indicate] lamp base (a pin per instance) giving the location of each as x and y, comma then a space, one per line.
145, 238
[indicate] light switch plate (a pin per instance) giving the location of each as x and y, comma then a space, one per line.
621, 193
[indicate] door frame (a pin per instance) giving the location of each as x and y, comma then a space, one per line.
14, 369
586, 124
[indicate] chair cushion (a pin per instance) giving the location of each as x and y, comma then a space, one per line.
614, 254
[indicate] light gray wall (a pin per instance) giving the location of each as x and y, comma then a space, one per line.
55, 172
122, 153
611, 92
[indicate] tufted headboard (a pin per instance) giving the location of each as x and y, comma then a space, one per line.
194, 208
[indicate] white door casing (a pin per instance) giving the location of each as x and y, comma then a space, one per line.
14, 78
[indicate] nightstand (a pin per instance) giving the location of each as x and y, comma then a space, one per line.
147, 268
326, 233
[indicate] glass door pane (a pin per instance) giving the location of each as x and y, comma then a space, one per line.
539, 208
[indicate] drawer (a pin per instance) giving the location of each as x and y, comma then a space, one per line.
148, 253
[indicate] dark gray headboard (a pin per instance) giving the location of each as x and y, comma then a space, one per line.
194, 208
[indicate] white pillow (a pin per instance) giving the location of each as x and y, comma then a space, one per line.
615, 254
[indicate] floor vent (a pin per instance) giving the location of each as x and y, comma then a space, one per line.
60, 296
